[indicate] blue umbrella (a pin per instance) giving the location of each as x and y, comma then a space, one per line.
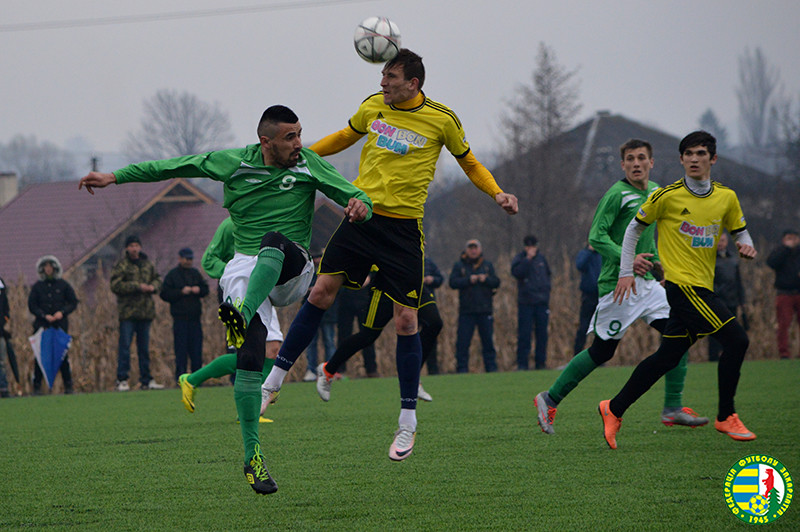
49, 348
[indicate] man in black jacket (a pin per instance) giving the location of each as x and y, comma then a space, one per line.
50, 301
530, 269
5, 337
183, 288
785, 260
476, 282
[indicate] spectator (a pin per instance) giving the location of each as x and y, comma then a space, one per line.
184, 288
476, 282
785, 260
134, 280
533, 302
327, 327
51, 300
728, 286
589, 262
5, 337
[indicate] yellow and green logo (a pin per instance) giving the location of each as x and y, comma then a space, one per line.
758, 489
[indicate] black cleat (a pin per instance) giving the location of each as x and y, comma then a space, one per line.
257, 475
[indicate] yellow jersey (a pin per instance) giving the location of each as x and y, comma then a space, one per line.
688, 229
399, 158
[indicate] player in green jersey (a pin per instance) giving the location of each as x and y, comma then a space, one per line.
691, 214
217, 254
610, 321
269, 191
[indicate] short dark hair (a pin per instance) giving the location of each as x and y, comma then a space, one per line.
530, 240
277, 114
699, 138
790, 232
411, 63
635, 144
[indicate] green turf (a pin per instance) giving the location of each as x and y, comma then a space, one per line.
138, 460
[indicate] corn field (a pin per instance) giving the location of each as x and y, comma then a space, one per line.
95, 330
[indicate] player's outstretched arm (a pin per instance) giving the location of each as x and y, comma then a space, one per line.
507, 201
96, 180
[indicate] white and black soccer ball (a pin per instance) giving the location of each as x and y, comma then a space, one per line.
377, 39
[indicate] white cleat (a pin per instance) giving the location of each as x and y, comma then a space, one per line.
422, 394
268, 396
323, 383
403, 443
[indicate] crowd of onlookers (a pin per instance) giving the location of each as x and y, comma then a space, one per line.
135, 281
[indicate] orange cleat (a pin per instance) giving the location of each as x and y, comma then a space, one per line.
611, 423
733, 427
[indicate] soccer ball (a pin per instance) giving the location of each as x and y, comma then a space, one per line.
377, 39
758, 505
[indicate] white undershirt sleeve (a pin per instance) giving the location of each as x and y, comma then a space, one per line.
744, 238
632, 234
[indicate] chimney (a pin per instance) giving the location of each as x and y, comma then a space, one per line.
9, 187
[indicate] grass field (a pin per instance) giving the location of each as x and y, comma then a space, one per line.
138, 460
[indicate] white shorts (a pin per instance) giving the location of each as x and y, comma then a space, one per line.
611, 320
234, 288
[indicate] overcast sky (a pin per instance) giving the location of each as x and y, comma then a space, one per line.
662, 63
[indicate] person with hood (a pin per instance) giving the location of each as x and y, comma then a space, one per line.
532, 272
475, 279
134, 280
51, 300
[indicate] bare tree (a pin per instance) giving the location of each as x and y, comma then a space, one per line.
709, 122
541, 111
535, 118
758, 85
36, 162
177, 124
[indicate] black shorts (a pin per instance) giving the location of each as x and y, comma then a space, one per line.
394, 245
381, 309
694, 312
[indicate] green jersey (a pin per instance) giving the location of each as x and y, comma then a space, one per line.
219, 250
259, 198
614, 212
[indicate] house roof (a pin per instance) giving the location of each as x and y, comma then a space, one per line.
58, 219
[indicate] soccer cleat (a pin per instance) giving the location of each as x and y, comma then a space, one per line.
187, 393
545, 414
611, 423
733, 427
257, 475
403, 443
235, 326
684, 416
422, 394
261, 419
323, 383
122, 386
268, 396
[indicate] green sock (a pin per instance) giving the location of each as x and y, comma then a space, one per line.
673, 384
247, 394
268, 363
262, 280
577, 369
219, 367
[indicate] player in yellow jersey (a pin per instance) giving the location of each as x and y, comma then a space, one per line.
691, 214
405, 131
